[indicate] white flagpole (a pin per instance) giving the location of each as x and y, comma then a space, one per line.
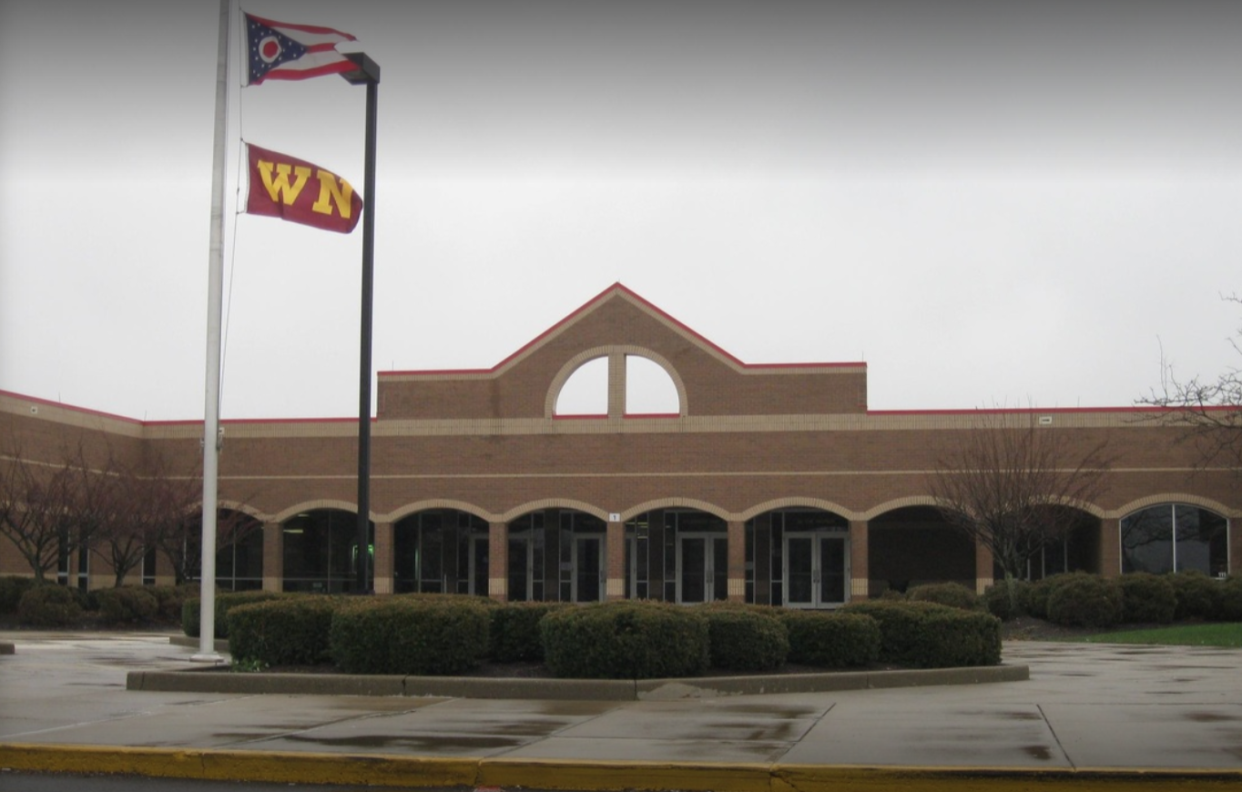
215, 308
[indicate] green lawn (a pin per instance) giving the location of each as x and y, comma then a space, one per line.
1227, 634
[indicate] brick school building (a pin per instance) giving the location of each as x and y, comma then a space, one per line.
760, 483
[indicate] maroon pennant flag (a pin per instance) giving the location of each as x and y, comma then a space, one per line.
300, 192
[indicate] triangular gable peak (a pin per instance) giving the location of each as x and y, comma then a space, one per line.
614, 324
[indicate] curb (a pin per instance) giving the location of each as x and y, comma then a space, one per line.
592, 776
200, 680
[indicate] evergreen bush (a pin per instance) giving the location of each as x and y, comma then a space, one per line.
12, 587
1085, 601
745, 640
286, 631
999, 603
127, 605
1231, 599
832, 640
1198, 596
1147, 598
929, 635
514, 632
49, 606
955, 595
1040, 592
171, 599
407, 635
629, 639
190, 609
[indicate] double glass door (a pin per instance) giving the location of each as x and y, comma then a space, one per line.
702, 568
816, 569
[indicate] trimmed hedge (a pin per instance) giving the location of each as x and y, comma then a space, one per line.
927, 635
1231, 599
127, 605
954, 595
996, 599
49, 606
407, 635
12, 587
745, 640
1041, 591
625, 640
1085, 601
225, 600
514, 631
1147, 598
286, 631
832, 640
1198, 596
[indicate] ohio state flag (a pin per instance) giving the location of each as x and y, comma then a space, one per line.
284, 51
300, 192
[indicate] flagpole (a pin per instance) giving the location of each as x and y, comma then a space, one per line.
215, 308
368, 74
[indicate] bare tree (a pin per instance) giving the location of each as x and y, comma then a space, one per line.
143, 505
49, 510
1209, 411
182, 543
1011, 485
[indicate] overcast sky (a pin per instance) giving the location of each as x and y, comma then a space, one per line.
989, 205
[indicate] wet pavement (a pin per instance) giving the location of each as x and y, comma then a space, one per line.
1084, 707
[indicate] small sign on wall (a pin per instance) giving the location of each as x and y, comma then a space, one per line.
614, 517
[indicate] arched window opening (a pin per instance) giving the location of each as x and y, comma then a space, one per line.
1175, 537
649, 390
586, 390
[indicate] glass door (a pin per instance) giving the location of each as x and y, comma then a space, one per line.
702, 568
589, 566
816, 568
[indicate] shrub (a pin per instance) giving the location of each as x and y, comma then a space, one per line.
127, 605
1198, 596
1231, 599
190, 616
999, 603
514, 630
171, 599
928, 635
287, 631
12, 587
625, 640
745, 640
405, 635
832, 640
49, 606
1041, 591
1147, 598
955, 595
1085, 601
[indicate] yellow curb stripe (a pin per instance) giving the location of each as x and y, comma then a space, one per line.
383, 770
604, 776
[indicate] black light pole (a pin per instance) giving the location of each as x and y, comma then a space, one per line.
368, 73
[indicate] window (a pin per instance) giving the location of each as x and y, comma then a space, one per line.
1175, 537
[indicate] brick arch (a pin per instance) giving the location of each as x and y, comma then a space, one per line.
595, 353
553, 503
898, 503
438, 503
678, 503
244, 508
312, 505
1173, 497
796, 502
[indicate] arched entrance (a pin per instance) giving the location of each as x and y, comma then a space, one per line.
441, 551
321, 551
677, 555
914, 545
798, 558
558, 555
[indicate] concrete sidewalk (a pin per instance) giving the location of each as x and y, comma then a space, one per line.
1088, 716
